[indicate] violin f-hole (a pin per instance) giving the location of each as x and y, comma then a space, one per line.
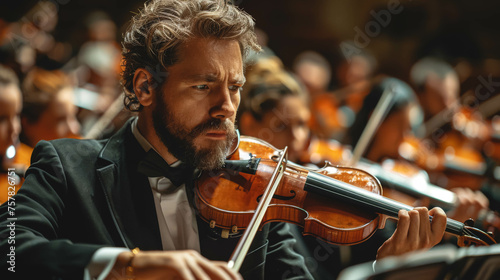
281, 197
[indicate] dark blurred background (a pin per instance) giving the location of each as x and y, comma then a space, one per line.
457, 30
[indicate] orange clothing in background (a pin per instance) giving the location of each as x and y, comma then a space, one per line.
10, 180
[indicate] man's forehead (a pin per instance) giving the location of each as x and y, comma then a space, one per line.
195, 48
207, 58
236, 77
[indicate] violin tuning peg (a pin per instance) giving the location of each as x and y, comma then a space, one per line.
225, 233
469, 222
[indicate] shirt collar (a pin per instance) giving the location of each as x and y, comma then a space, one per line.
144, 142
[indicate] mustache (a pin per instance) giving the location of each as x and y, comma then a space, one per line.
214, 124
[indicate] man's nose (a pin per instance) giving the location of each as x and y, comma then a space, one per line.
15, 126
224, 106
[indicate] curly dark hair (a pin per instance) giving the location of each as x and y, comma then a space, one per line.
154, 35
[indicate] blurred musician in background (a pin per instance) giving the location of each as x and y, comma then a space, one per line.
437, 86
315, 72
48, 107
354, 75
452, 132
274, 108
403, 114
14, 156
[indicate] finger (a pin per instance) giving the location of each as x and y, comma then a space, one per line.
482, 200
465, 206
460, 196
185, 272
197, 271
414, 229
424, 226
401, 232
233, 274
468, 197
458, 191
438, 224
461, 202
470, 205
212, 270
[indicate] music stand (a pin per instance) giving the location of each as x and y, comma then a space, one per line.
441, 262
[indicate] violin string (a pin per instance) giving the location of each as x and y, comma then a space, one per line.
469, 233
393, 209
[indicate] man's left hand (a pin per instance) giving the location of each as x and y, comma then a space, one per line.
415, 231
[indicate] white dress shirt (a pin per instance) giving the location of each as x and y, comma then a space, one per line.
176, 220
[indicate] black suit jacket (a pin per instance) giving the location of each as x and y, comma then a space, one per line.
81, 195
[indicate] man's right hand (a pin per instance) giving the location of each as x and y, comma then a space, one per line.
165, 265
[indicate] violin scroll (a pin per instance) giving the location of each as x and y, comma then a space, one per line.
474, 237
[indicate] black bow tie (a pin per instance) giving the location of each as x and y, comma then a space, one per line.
153, 165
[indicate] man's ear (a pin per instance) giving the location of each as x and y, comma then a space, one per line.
143, 86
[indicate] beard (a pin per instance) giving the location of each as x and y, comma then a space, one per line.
180, 141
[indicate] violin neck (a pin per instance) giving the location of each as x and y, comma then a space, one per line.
475, 168
335, 189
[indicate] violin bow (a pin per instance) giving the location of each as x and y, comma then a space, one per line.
245, 241
374, 122
102, 123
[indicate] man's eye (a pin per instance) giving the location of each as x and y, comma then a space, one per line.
201, 87
279, 127
235, 88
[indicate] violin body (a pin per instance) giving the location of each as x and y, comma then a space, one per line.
321, 151
228, 198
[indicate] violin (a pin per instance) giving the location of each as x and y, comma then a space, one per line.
339, 205
319, 151
402, 181
460, 164
455, 140
327, 118
402, 177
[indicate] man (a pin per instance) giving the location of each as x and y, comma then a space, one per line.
14, 157
84, 202
450, 127
48, 111
437, 86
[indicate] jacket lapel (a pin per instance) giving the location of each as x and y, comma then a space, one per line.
128, 193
